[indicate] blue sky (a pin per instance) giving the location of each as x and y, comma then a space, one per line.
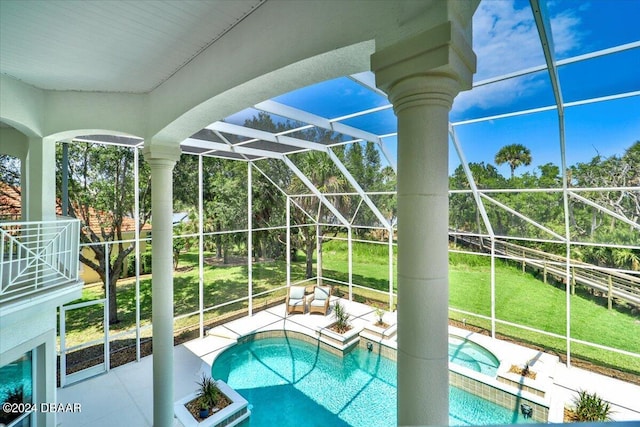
506, 40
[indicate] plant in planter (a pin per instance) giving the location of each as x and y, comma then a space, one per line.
524, 371
379, 315
204, 407
342, 319
209, 399
208, 392
588, 407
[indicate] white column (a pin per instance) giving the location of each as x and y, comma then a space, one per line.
136, 218
391, 268
201, 245
161, 159
40, 186
422, 75
288, 216
250, 238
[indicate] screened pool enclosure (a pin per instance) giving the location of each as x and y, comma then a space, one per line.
311, 175
544, 199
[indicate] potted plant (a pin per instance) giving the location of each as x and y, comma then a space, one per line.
204, 408
524, 370
208, 394
339, 334
212, 403
380, 329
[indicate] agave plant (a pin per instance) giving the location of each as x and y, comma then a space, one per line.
591, 407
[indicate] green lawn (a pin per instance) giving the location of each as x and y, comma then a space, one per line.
520, 298
523, 299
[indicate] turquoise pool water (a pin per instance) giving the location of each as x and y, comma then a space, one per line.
472, 356
293, 383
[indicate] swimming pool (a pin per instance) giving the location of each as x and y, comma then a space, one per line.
291, 382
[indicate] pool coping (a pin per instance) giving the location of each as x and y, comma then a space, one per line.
510, 395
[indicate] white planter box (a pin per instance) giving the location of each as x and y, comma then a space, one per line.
232, 415
379, 332
339, 341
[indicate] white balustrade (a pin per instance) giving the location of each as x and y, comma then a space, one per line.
37, 256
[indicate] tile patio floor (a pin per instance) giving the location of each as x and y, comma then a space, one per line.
123, 397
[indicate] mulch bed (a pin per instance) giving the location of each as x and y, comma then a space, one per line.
522, 372
194, 408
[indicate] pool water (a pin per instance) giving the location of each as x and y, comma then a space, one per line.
290, 382
472, 356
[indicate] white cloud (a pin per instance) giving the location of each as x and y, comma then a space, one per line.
499, 94
566, 37
505, 39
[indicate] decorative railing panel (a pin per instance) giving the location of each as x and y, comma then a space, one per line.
35, 256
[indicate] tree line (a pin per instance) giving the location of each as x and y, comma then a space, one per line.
587, 222
102, 196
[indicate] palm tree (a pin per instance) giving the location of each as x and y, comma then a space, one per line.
326, 177
514, 154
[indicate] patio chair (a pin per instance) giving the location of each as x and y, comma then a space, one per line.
320, 300
295, 300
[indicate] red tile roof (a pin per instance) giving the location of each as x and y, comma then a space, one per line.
10, 208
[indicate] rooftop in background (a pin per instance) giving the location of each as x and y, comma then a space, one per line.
11, 209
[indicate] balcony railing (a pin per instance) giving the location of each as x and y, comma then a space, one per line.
37, 256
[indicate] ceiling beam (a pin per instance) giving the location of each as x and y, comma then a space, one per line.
265, 136
219, 146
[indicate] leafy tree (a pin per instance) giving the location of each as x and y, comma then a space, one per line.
187, 226
464, 212
324, 174
224, 196
372, 177
101, 195
10, 177
9, 170
365, 167
388, 204
225, 203
622, 175
515, 155
615, 171
269, 208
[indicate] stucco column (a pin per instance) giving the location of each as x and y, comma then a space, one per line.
422, 75
161, 159
39, 188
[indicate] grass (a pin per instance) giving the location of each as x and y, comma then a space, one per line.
523, 299
520, 298
222, 284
